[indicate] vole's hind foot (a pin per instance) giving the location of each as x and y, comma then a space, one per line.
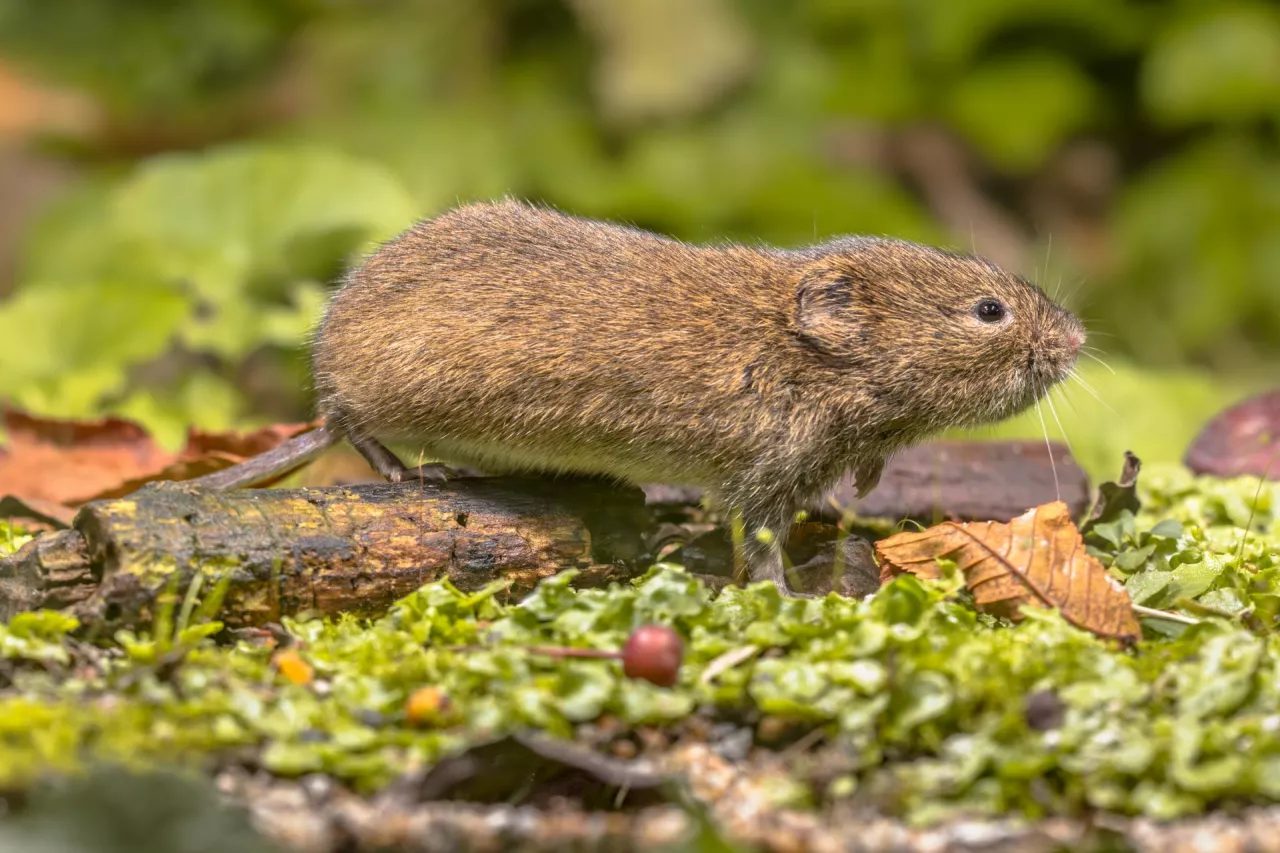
431, 472
388, 466
439, 472
456, 472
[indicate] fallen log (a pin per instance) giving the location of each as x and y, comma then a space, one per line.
349, 549
359, 548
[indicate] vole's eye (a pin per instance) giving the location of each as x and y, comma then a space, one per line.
989, 311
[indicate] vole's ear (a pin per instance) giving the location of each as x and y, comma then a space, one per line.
824, 319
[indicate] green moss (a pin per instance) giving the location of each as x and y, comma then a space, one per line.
12, 537
930, 703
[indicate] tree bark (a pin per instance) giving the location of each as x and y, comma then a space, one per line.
359, 548
353, 549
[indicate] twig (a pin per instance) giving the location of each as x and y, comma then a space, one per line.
1152, 613
728, 661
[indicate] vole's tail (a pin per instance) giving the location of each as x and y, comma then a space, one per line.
275, 463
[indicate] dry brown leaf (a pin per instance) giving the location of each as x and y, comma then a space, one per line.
57, 465
1037, 559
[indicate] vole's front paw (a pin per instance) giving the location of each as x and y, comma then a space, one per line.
786, 592
769, 567
867, 477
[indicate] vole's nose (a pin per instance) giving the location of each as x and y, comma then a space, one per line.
1075, 340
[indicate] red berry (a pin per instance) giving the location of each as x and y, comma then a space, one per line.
653, 652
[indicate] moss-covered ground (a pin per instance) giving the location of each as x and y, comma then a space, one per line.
932, 708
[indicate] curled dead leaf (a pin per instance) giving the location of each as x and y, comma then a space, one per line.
1037, 559
1114, 497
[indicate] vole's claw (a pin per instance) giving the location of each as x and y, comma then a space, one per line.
431, 472
867, 477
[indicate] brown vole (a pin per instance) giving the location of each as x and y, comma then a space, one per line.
515, 338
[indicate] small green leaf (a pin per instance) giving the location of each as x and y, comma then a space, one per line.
1147, 587
1132, 560
926, 696
48, 625
292, 759
1169, 528
1192, 579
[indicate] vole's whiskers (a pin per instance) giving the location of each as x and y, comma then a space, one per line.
1066, 401
1074, 374
1084, 383
1048, 398
1088, 352
1041, 276
1053, 465
1075, 291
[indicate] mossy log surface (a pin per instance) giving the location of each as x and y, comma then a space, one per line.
347, 549
357, 549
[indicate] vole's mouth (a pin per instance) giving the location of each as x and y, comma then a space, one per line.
1047, 374
1055, 359
1042, 374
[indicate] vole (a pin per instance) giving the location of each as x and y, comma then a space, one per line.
515, 338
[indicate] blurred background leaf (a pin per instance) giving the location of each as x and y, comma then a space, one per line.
1018, 109
1217, 62
207, 171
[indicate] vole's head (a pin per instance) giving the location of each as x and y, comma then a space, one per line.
935, 338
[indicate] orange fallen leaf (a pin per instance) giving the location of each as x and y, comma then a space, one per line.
56, 465
1036, 559
291, 665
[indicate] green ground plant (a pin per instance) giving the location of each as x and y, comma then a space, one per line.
937, 710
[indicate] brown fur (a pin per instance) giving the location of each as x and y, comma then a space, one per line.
514, 338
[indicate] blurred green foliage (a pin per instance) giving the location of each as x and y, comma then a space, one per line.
167, 285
